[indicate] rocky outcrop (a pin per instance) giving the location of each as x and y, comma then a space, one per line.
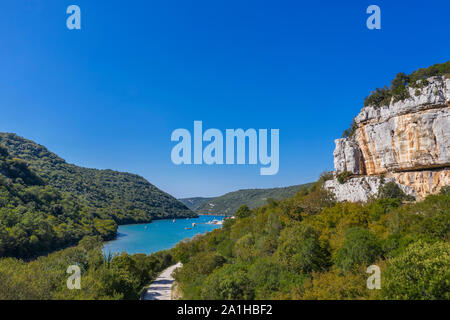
408, 141
361, 188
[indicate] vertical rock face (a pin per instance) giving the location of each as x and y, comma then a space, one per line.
408, 140
347, 156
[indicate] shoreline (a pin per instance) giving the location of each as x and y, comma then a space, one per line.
136, 238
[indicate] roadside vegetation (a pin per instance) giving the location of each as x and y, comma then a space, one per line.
309, 247
102, 277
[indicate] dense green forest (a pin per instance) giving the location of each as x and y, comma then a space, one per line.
195, 202
119, 277
230, 202
122, 197
310, 247
36, 218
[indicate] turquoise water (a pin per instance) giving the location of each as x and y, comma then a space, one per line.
158, 235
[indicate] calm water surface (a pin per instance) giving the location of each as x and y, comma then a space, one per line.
158, 235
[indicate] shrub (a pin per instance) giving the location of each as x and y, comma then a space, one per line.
445, 190
335, 285
229, 282
244, 248
421, 272
299, 250
243, 212
325, 176
360, 247
391, 190
398, 90
350, 131
343, 177
265, 274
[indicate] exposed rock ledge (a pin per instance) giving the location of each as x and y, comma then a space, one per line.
361, 188
407, 141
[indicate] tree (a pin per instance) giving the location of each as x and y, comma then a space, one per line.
243, 212
299, 249
360, 247
229, 282
420, 272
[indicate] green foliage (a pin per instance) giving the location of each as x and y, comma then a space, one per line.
343, 177
360, 247
195, 202
299, 250
47, 204
36, 218
229, 282
308, 247
445, 190
391, 190
120, 277
118, 196
398, 89
228, 203
420, 272
348, 133
243, 212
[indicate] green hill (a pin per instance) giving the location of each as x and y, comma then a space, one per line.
194, 203
122, 197
230, 202
36, 218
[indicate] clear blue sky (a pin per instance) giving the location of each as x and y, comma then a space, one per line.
109, 95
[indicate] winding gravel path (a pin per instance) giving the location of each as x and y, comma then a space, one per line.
161, 288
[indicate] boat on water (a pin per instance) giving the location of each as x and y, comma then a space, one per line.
187, 228
215, 221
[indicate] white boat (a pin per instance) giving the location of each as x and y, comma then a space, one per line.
215, 221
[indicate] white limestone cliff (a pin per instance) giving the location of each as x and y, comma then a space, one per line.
407, 141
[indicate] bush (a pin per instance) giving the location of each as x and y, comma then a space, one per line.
360, 247
243, 212
398, 89
445, 191
334, 285
421, 272
391, 190
265, 274
343, 177
299, 250
348, 133
229, 282
244, 248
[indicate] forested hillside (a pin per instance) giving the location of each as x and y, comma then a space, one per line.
194, 203
122, 197
230, 202
36, 218
310, 247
